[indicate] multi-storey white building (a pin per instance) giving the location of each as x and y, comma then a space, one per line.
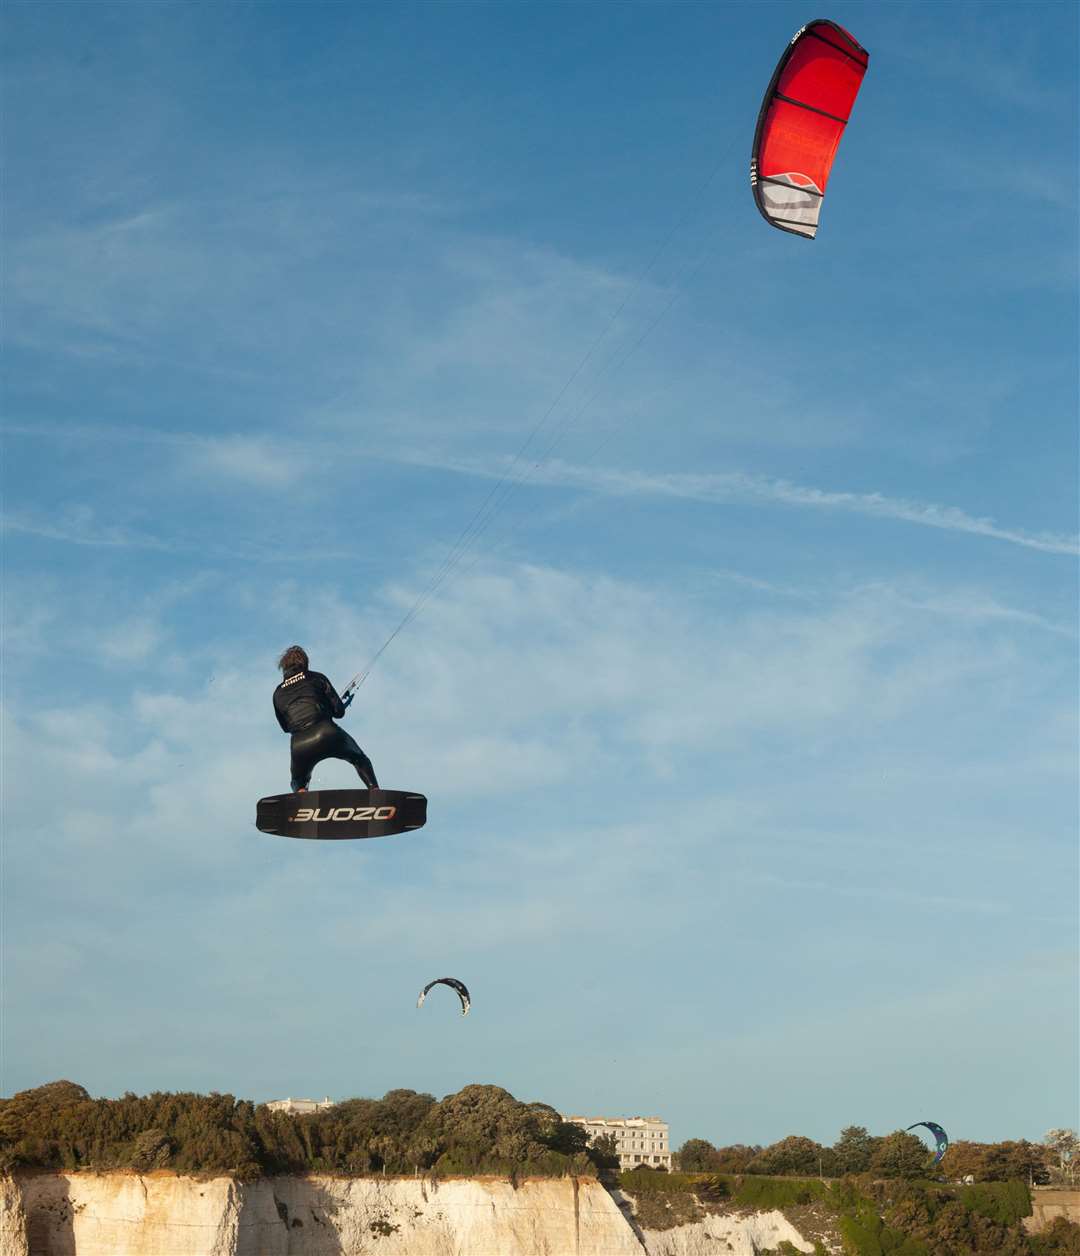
639, 1140
300, 1105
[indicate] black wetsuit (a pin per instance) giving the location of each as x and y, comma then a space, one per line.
306, 705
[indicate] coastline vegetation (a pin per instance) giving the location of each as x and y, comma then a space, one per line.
478, 1130
874, 1217
874, 1192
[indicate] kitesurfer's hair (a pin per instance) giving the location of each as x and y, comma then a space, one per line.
293, 657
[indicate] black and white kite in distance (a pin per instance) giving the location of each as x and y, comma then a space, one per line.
454, 984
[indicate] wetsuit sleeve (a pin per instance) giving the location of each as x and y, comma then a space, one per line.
337, 707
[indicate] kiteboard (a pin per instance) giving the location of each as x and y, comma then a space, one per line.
341, 813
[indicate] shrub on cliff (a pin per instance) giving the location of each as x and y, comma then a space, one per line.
865, 1234
996, 1162
152, 1149
481, 1129
1005, 1202
918, 1217
63, 1128
763, 1193
644, 1181
36, 1125
484, 1129
946, 1227
665, 1200
1060, 1238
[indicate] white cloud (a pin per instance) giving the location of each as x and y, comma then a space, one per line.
251, 459
740, 487
132, 642
234, 456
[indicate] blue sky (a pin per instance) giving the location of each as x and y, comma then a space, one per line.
748, 725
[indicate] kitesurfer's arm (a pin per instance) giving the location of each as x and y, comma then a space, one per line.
280, 714
337, 707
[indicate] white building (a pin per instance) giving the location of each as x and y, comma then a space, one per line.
639, 1140
300, 1105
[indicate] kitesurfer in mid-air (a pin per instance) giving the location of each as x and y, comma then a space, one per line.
306, 705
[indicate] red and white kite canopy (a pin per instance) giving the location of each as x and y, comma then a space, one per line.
802, 118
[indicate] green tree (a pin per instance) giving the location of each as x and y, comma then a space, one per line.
854, 1149
696, 1155
605, 1154
964, 1159
566, 1137
794, 1155
1013, 1161
900, 1155
1064, 1144
734, 1159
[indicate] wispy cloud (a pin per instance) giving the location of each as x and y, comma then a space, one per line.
83, 526
961, 602
978, 606
875, 892
251, 459
80, 526
740, 487
233, 456
980, 54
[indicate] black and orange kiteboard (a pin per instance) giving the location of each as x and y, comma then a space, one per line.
341, 813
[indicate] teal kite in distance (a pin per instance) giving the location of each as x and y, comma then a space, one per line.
940, 1137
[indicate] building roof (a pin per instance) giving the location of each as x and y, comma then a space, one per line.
618, 1120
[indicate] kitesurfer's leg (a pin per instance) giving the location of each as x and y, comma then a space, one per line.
299, 769
309, 747
351, 753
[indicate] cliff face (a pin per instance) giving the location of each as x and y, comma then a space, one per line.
124, 1214
12, 1220
163, 1214
730, 1235
160, 1214
1048, 1204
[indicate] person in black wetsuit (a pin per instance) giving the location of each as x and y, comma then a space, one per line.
306, 705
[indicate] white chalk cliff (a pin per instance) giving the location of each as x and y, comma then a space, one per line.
732, 1235
164, 1214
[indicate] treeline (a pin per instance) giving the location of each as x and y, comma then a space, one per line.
896, 1155
874, 1217
481, 1129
